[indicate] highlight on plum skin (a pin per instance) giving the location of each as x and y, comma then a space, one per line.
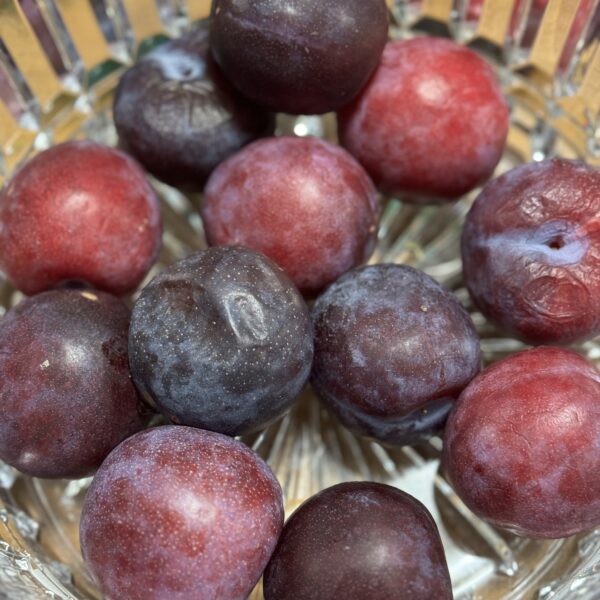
359, 540
66, 396
175, 112
305, 203
393, 349
301, 57
420, 82
177, 512
531, 251
221, 340
79, 210
521, 446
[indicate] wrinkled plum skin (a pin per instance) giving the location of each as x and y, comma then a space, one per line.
392, 350
79, 211
299, 56
221, 340
521, 446
531, 251
388, 128
66, 396
359, 540
306, 204
178, 116
181, 513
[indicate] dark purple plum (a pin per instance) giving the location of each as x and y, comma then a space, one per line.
521, 446
305, 203
432, 122
299, 56
531, 251
221, 340
392, 351
360, 540
175, 112
180, 513
66, 396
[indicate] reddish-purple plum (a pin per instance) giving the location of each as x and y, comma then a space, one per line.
432, 122
79, 211
66, 396
175, 112
531, 251
299, 56
359, 540
521, 446
221, 340
180, 513
392, 351
305, 203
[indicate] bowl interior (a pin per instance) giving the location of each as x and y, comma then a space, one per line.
86, 49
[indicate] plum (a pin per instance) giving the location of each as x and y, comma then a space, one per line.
431, 124
531, 251
66, 396
521, 445
180, 513
221, 340
305, 203
175, 112
299, 56
79, 210
392, 351
359, 540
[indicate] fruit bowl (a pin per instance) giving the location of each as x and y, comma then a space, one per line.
59, 64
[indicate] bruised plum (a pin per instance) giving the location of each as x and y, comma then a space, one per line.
221, 340
180, 513
392, 351
521, 446
360, 540
66, 396
299, 56
179, 117
531, 251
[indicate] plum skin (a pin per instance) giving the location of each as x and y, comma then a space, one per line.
66, 395
388, 127
79, 210
175, 112
531, 251
305, 203
393, 349
177, 512
359, 540
521, 445
299, 56
221, 340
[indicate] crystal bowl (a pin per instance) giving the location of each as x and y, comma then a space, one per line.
59, 64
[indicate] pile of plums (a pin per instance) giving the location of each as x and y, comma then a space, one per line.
222, 342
